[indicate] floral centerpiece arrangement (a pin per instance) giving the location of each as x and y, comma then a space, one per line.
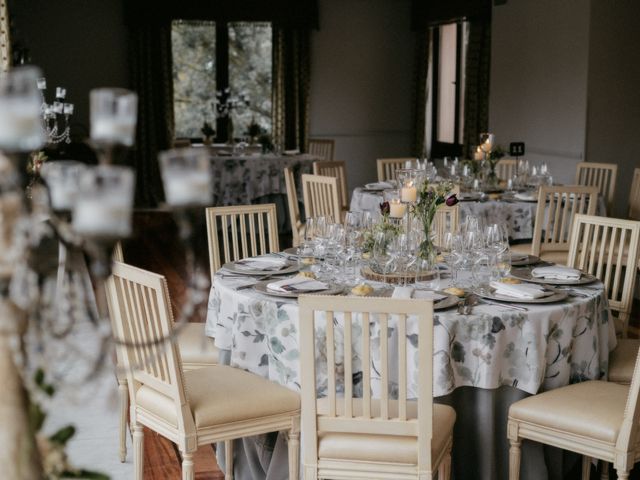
430, 197
492, 159
385, 226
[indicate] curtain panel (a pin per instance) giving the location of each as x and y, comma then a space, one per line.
420, 92
151, 79
291, 80
476, 101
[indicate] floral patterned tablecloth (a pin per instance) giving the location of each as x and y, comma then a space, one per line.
545, 347
517, 215
240, 180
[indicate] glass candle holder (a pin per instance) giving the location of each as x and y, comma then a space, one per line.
62, 178
397, 209
113, 116
487, 142
21, 128
186, 176
408, 180
104, 202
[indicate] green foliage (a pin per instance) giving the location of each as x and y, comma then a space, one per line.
63, 435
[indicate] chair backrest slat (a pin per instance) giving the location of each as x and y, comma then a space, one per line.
608, 248
321, 197
234, 224
335, 169
322, 147
294, 206
601, 175
506, 168
390, 318
387, 167
557, 206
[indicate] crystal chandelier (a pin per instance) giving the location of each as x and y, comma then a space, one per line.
55, 116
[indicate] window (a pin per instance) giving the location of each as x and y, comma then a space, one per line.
223, 57
446, 102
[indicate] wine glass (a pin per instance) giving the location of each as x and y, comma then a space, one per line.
381, 259
487, 141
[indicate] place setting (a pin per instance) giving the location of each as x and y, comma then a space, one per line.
263, 266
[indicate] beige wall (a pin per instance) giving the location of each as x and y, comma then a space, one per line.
361, 81
613, 120
539, 65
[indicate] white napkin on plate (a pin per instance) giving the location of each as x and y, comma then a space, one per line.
297, 284
378, 185
402, 292
528, 196
520, 290
556, 272
261, 263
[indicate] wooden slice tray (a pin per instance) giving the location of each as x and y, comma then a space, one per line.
394, 278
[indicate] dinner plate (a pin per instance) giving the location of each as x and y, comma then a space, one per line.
290, 268
292, 251
525, 274
262, 288
469, 197
377, 186
447, 302
519, 260
490, 294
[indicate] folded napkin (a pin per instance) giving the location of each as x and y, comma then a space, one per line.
556, 272
526, 196
402, 292
297, 284
267, 264
378, 185
520, 290
428, 295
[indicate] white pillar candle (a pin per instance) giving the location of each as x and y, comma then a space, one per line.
96, 217
113, 130
186, 189
409, 194
478, 155
397, 209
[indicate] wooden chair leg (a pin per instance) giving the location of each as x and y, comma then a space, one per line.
586, 467
228, 460
514, 460
138, 452
187, 466
293, 437
123, 394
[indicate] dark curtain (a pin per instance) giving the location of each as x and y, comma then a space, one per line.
291, 76
476, 101
151, 78
420, 92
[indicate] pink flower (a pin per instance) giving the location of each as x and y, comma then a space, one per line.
451, 200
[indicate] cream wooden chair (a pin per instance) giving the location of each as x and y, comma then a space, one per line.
557, 207
321, 197
387, 167
608, 249
366, 438
297, 226
634, 196
322, 147
506, 168
596, 419
197, 351
335, 169
447, 219
193, 408
601, 175
239, 232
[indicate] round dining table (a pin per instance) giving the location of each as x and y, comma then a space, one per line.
482, 363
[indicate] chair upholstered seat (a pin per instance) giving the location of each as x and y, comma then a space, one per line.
196, 349
220, 394
622, 360
387, 448
592, 409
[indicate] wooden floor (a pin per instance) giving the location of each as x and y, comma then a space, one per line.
155, 246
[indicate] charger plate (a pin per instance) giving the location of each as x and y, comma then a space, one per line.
290, 268
491, 295
262, 288
520, 260
525, 274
